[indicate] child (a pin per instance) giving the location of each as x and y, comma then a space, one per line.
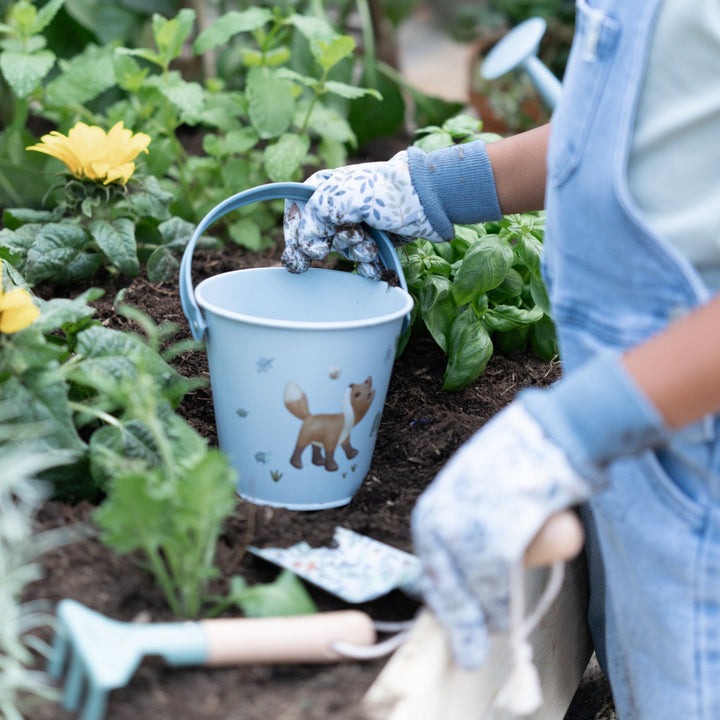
629, 173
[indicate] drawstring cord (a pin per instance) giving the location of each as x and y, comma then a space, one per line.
521, 693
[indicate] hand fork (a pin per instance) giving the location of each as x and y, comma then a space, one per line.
97, 654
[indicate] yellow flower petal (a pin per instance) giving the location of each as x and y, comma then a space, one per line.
17, 311
121, 172
89, 152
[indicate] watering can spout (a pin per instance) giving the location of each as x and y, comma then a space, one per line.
518, 49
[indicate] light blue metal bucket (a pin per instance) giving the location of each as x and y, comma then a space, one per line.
299, 367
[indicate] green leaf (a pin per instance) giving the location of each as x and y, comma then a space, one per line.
330, 54
313, 28
543, 339
504, 318
483, 268
529, 250
45, 15
276, 56
470, 350
271, 103
56, 253
288, 74
512, 341
462, 125
148, 199
351, 92
13, 218
144, 53
229, 24
188, 98
117, 241
129, 75
115, 449
234, 142
162, 265
247, 234
176, 232
59, 313
206, 491
24, 72
41, 397
82, 78
171, 34
132, 518
285, 596
329, 124
435, 141
438, 308
223, 111
538, 292
283, 158
511, 287
112, 362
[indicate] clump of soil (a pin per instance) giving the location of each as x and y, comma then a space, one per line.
421, 427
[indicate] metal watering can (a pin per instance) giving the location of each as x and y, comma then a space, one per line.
299, 366
518, 49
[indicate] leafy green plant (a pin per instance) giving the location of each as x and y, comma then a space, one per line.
22, 685
104, 400
483, 290
34, 81
107, 215
260, 132
74, 376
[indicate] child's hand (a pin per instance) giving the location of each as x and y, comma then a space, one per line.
471, 527
380, 195
544, 452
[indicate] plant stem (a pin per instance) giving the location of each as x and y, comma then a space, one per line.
368, 36
161, 573
99, 414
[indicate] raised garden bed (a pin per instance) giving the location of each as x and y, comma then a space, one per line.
421, 427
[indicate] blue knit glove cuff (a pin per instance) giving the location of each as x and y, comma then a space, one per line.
597, 414
455, 185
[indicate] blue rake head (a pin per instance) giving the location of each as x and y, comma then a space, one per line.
95, 654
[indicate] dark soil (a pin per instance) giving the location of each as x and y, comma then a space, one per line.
421, 427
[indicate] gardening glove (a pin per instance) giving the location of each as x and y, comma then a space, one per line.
413, 195
544, 452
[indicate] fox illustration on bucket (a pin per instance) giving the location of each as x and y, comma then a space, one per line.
326, 431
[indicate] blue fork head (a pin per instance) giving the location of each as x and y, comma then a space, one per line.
96, 654
90, 652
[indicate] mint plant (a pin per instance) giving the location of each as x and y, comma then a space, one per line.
483, 290
267, 130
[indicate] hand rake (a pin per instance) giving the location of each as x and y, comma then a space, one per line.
96, 654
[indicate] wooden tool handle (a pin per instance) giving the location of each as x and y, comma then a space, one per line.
560, 538
292, 639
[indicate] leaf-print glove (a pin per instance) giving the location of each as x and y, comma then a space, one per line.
413, 195
545, 452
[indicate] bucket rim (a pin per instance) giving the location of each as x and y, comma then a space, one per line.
305, 324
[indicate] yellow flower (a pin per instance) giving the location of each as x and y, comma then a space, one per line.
91, 153
17, 310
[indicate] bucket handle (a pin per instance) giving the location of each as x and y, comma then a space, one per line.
270, 191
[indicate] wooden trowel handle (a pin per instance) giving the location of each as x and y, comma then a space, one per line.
311, 638
560, 538
292, 639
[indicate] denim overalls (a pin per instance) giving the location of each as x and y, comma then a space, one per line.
654, 535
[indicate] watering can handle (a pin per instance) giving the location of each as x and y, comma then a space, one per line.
271, 191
